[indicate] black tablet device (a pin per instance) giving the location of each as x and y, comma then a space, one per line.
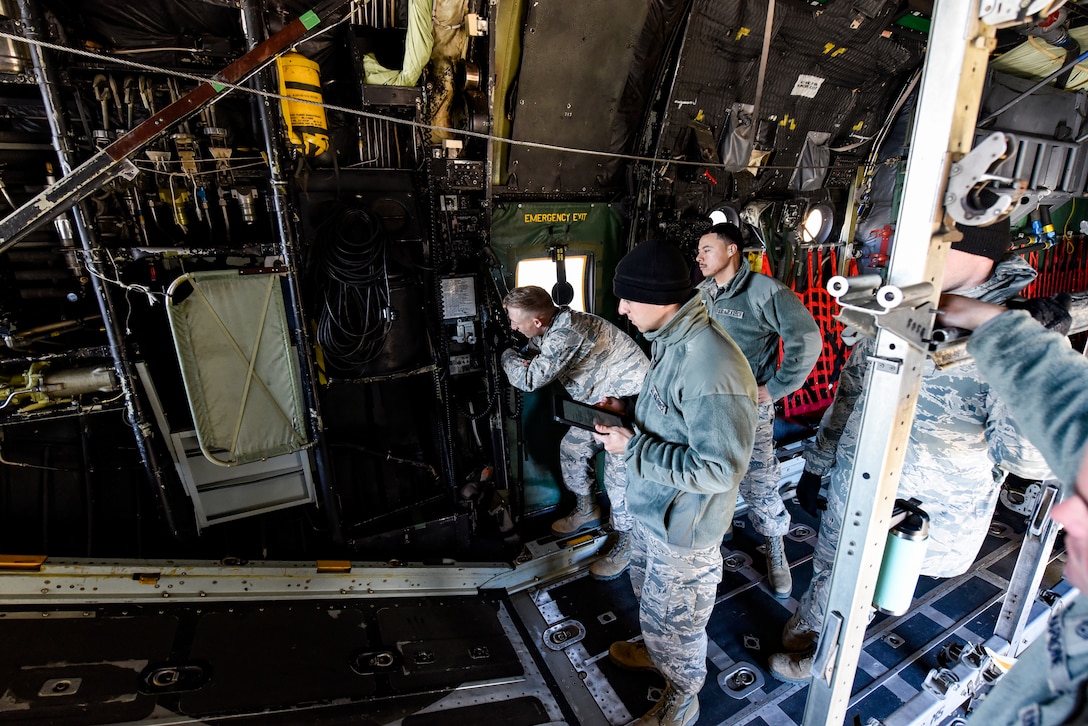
585, 416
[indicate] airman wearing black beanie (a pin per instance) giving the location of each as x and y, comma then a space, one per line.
695, 422
655, 273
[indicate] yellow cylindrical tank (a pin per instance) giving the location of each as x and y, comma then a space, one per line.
300, 85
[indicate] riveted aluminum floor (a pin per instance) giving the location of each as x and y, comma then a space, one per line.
580, 618
172, 643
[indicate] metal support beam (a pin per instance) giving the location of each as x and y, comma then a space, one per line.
947, 107
1028, 574
112, 161
946, 689
255, 28
497, 420
123, 366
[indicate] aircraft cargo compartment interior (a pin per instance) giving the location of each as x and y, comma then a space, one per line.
657, 362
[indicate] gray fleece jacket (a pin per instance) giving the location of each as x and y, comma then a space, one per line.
1044, 382
757, 311
695, 423
1019, 358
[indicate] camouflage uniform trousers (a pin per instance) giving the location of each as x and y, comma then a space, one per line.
959, 520
676, 588
813, 604
759, 487
577, 452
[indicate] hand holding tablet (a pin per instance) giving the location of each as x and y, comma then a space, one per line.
585, 416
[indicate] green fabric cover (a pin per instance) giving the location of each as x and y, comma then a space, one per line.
239, 367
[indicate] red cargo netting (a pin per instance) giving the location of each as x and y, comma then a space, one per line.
1062, 268
815, 395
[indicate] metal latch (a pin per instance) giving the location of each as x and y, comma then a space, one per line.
867, 304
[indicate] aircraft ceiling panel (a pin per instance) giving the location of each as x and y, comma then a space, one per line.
155, 24
573, 72
815, 81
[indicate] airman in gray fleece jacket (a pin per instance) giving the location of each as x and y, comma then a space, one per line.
758, 312
1044, 382
694, 424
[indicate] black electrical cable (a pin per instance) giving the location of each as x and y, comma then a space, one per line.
353, 288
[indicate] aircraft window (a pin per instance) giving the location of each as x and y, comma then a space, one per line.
541, 271
817, 225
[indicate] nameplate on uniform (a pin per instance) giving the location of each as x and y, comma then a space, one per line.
664, 407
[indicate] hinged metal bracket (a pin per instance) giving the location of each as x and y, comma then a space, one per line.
971, 174
868, 306
827, 647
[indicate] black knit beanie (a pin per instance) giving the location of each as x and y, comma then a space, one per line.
654, 272
992, 241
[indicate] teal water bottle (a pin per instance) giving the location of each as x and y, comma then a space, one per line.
904, 552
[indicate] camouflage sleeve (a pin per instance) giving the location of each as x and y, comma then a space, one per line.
820, 454
558, 349
801, 343
515, 366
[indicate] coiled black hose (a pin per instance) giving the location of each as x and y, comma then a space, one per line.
352, 288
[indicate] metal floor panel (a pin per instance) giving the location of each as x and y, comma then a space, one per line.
377, 661
580, 617
533, 650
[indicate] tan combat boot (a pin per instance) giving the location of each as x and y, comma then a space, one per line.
586, 515
615, 559
674, 709
791, 667
778, 568
797, 636
631, 656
